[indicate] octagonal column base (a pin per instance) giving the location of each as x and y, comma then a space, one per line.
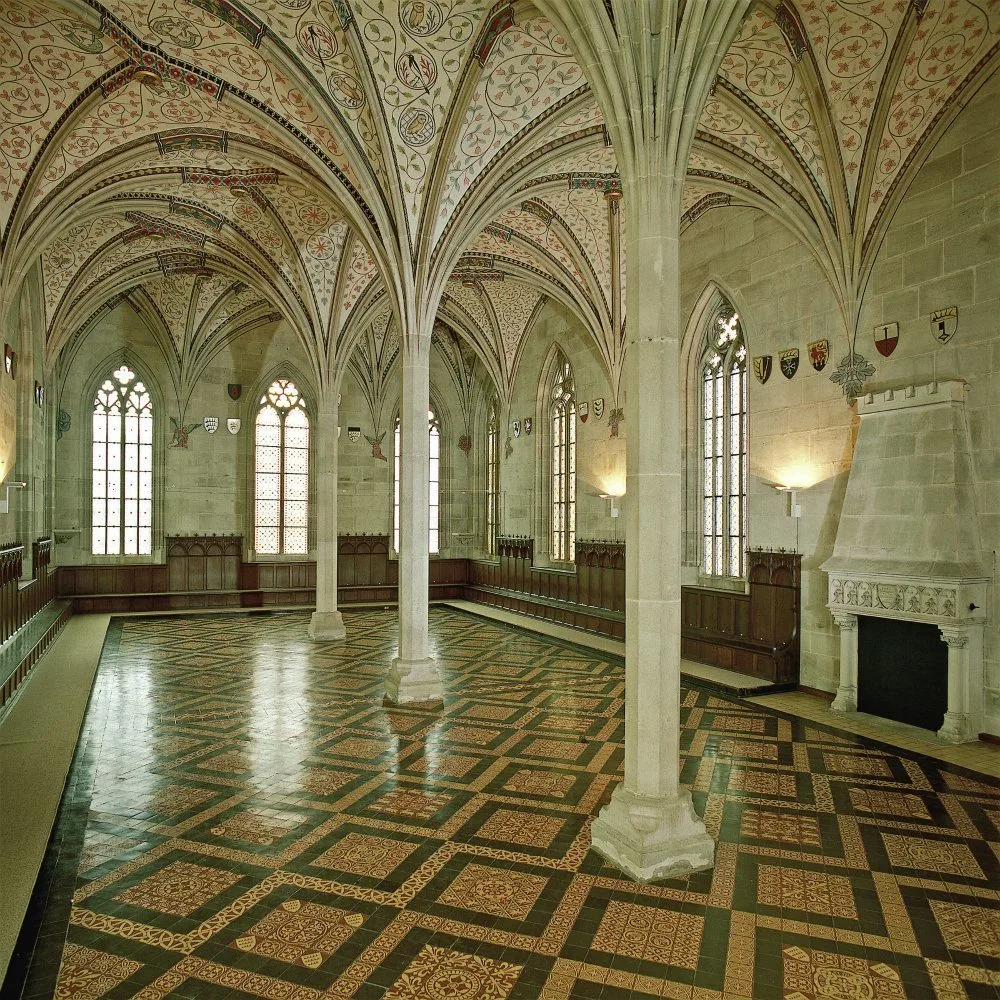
413, 680
650, 838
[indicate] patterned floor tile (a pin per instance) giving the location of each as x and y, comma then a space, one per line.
338, 848
440, 974
179, 889
492, 890
300, 933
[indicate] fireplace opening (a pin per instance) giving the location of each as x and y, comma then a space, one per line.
902, 671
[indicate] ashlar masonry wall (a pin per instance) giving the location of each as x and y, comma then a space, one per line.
942, 249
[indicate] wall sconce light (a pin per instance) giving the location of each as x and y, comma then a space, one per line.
794, 508
5, 502
614, 498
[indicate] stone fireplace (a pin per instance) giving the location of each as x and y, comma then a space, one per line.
908, 544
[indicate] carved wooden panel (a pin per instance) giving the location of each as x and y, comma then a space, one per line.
757, 633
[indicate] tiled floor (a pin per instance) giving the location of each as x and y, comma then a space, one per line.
261, 826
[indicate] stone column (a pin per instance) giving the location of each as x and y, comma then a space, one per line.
955, 728
326, 624
847, 692
650, 828
414, 676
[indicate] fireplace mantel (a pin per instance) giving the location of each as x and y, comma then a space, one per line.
908, 544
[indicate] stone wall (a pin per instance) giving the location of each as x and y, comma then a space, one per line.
941, 249
600, 458
207, 488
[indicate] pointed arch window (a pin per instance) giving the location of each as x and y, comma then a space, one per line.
122, 467
434, 478
281, 463
492, 478
725, 439
562, 414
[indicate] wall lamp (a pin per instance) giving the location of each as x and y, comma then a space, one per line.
795, 508
5, 502
614, 498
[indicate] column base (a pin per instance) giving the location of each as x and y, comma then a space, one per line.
846, 700
956, 728
652, 838
327, 626
413, 680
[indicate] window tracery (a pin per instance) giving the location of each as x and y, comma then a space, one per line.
562, 414
122, 466
725, 437
281, 464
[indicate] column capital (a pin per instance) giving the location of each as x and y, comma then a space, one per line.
845, 622
956, 636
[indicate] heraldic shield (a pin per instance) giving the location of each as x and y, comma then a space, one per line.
584, 410
211, 424
354, 434
944, 324
819, 354
886, 338
790, 362
233, 425
235, 390
762, 368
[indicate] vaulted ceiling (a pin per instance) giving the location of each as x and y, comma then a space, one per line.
223, 165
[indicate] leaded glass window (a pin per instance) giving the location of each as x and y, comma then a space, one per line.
725, 436
122, 467
492, 479
562, 413
281, 463
434, 480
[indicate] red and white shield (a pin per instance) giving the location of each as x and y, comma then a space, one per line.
886, 338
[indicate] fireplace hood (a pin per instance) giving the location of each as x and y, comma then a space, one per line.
908, 543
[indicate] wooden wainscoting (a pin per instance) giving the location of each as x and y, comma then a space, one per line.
592, 597
209, 572
25, 632
756, 633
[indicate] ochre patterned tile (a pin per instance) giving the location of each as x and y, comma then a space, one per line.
968, 928
300, 933
175, 799
86, 974
446, 764
554, 749
873, 800
358, 746
179, 889
411, 803
790, 828
763, 783
738, 723
800, 889
481, 882
748, 750
471, 734
258, 826
320, 781
941, 856
841, 763
500, 892
532, 782
442, 974
497, 713
651, 934
363, 854
506, 825
812, 975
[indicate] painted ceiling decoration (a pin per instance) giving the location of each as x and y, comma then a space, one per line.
343, 157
